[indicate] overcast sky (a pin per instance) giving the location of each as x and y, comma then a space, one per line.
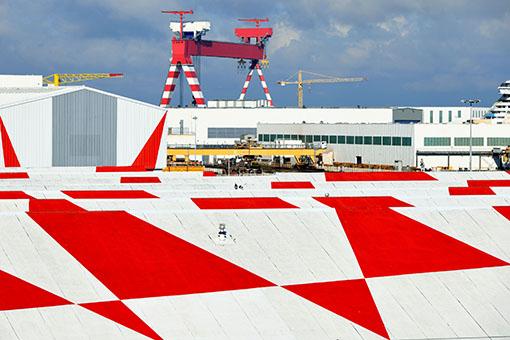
427, 52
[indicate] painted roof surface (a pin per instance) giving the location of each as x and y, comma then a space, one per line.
87, 254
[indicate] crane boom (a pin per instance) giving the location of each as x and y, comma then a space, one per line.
327, 80
58, 79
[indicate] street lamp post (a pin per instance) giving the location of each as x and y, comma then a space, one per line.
471, 102
195, 119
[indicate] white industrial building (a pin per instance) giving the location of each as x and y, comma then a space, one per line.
76, 126
438, 145
218, 126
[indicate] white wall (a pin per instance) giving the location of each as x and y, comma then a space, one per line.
135, 124
29, 127
478, 112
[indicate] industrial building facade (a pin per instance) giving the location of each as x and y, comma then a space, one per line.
436, 145
79, 126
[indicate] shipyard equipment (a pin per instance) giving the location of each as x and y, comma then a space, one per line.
188, 43
58, 79
324, 80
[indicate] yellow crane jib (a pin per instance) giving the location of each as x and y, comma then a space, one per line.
58, 79
325, 80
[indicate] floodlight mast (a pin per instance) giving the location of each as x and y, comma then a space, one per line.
471, 102
181, 15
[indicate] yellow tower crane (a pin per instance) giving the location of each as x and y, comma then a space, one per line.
325, 80
58, 79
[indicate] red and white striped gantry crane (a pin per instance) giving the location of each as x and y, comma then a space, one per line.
187, 43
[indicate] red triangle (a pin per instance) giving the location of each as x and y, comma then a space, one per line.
388, 243
10, 158
148, 156
48, 205
117, 311
135, 259
350, 299
504, 210
18, 294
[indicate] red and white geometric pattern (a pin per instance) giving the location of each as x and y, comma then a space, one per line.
191, 77
382, 255
262, 82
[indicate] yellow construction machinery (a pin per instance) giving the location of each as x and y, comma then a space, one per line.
58, 79
324, 80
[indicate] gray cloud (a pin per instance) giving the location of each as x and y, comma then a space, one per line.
447, 46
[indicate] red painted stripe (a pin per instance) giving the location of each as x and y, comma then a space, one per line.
10, 157
140, 180
489, 183
173, 75
117, 311
200, 101
460, 191
148, 156
244, 90
208, 174
165, 101
378, 176
47, 205
13, 175
242, 203
292, 185
350, 299
195, 88
16, 293
120, 169
13, 195
388, 243
190, 74
504, 210
169, 88
135, 259
108, 194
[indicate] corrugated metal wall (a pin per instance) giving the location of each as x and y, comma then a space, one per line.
29, 129
84, 129
135, 124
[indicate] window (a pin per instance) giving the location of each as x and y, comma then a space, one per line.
286, 137
498, 141
332, 139
377, 140
386, 140
230, 132
324, 138
440, 116
450, 118
279, 136
350, 139
437, 141
359, 140
309, 138
302, 138
431, 117
341, 139
396, 141
316, 138
367, 140
464, 141
459, 114
272, 138
406, 141
294, 137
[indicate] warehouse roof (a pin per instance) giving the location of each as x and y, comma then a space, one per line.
304, 256
16, 96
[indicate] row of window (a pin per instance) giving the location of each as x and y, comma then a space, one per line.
230, 132
464, 141
358, 140
441, 119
